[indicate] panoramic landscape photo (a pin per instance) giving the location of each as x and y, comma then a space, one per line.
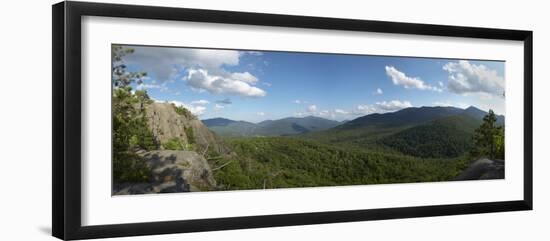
194, 119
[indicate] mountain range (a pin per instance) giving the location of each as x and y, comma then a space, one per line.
281, 127
429, 132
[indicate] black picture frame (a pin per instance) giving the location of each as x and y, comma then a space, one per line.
66, 127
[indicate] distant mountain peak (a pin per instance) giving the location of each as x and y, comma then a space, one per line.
471, 107
218, 121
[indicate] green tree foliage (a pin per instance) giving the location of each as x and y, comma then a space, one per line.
448, 137
173, 144
489, 138
282, 162
190, 134
130, 130
120, 76
183, 111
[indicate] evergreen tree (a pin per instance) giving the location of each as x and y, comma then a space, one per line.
489, 138
130, 130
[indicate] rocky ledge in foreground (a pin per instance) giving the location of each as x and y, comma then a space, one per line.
483, 169
172, 171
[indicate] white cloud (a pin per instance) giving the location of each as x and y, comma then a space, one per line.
399, 78
392, 105
218, 107
195, 110
201, 79
379, 91
200, 102
164, 62
245, 77
257, 53
324, 113
340, 111
465, 78
363, 110
312, 108
299, 102
201, 65
144, 86
260, 113
451, 104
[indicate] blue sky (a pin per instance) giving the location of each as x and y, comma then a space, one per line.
260, 85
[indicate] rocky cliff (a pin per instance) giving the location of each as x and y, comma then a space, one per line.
167, 122
181, 166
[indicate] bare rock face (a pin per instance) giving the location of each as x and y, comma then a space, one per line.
166, 123
172, 171
483, 169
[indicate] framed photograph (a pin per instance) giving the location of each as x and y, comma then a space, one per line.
216, 120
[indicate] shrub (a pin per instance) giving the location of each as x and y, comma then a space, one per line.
173, 144
129, 167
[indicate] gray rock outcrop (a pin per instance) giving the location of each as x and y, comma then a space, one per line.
483, 169
172, 171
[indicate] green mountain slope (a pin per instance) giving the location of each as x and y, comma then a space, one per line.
295, 125
443, 138
407, 116
230, 128
420, 134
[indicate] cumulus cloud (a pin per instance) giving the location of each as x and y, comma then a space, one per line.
401, 79
340, 111
379, 91
450, 104
312, 108
465, 78
244, 77
218, 107
324, 113
144, 86
363, 110
194, 109
205, 69
393, 105
163, 62
201, 79
200, 102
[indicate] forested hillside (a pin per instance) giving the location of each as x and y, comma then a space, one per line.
278, 162
447, 137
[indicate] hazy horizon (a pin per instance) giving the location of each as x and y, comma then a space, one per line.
222, 117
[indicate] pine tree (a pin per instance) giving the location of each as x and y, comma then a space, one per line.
489, 138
